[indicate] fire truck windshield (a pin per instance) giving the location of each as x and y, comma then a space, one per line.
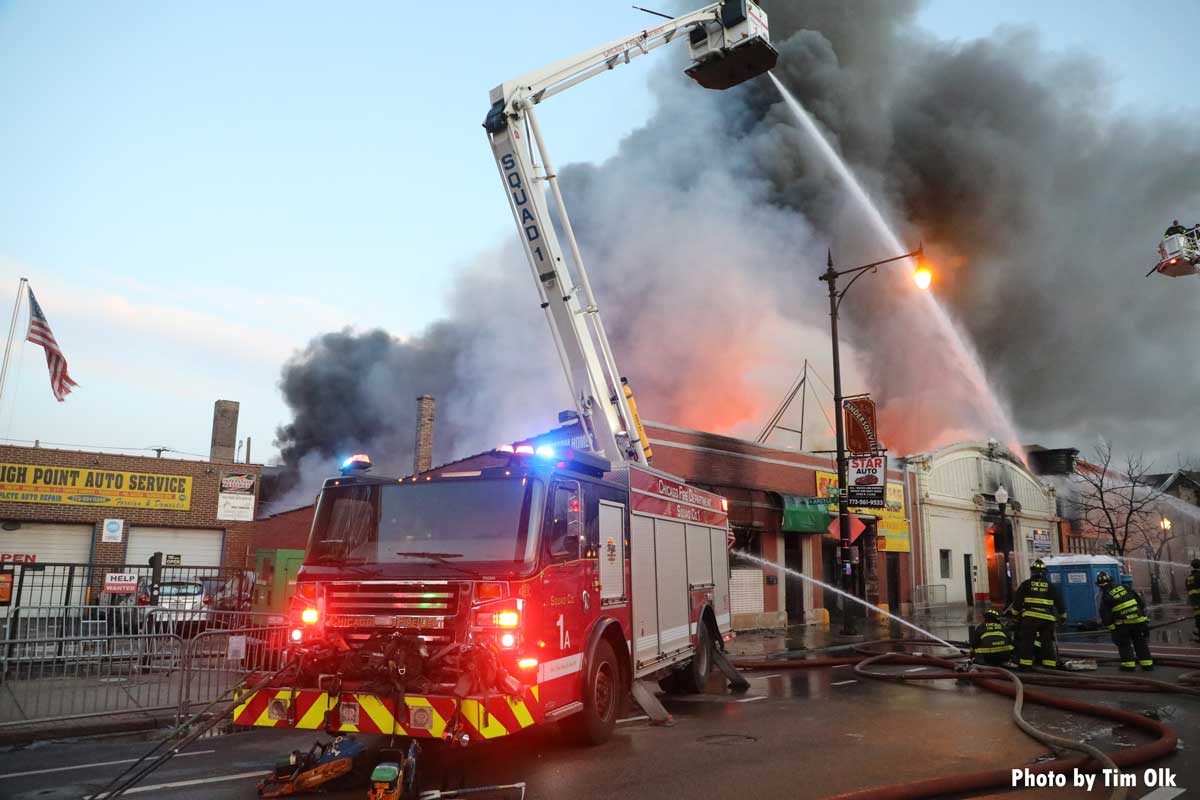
490, 522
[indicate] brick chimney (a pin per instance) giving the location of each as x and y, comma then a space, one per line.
423, 454
224, 430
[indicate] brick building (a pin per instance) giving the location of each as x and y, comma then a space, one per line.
762, 484
85, 509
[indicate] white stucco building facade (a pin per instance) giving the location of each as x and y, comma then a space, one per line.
961, 560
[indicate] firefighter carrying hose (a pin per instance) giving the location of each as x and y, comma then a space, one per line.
1193, 590
989, 640
1124, 612
1038, 607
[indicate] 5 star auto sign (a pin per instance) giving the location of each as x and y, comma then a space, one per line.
867, 481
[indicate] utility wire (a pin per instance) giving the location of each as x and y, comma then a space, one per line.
101, 448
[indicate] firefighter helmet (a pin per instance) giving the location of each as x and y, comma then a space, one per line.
991, 615
1038, 566
1103, 579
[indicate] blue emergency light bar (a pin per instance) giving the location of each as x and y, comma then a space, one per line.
359, 462
561, 457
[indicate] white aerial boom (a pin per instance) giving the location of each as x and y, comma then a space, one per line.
729, 43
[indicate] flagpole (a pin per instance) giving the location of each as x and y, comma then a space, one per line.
12, 329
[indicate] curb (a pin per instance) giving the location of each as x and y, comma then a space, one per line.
81, 729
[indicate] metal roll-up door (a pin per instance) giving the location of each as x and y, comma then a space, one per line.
45, 563
194, 547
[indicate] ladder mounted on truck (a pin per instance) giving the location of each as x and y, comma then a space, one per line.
729, 44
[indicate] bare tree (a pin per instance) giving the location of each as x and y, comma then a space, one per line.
1155, 543
1114, 502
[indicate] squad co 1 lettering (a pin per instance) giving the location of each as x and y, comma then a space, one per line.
521, 202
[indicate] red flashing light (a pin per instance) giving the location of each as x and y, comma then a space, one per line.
504, 618
489, 591
309, 616
505, 448
524, 450
297, 634
527, 663
508, 640
725, 504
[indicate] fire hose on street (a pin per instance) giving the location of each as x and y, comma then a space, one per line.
1003, 682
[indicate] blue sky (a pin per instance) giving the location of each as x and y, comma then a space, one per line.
196, 189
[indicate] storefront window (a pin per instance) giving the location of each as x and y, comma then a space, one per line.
745, 540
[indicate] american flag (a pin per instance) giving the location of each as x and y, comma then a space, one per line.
56, 362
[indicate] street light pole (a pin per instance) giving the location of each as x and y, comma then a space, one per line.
847, 576
1001, 497
830, 277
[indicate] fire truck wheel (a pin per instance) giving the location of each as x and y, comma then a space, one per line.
691, 679
601, 699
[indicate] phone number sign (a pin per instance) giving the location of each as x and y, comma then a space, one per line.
867, 482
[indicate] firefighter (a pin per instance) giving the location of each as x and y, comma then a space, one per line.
1039, 607
1175, 228
989, 640
1124, 612
1193, 590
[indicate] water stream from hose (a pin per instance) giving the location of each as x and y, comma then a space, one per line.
962, 354
846, 595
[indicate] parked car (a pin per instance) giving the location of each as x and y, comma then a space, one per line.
181, 604
228, 594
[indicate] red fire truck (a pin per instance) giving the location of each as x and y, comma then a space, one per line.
475, 604
470, 605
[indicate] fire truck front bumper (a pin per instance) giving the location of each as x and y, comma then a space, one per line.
430, 717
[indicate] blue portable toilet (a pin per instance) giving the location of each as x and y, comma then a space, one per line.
1075, 577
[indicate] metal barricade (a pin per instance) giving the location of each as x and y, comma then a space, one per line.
233, 645
929, 600
73, 662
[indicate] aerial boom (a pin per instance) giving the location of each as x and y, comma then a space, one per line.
729, 44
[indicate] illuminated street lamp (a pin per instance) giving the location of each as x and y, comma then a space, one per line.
830, 276
1005, 542
1165, 524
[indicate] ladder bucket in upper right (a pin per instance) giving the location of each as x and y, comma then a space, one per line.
733, 50
1179, 255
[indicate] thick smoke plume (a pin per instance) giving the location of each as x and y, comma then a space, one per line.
1040, 204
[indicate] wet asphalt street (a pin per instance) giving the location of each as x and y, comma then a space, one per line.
805, 733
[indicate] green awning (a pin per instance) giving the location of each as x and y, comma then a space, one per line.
805, 514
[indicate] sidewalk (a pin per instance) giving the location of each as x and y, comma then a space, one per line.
799, 640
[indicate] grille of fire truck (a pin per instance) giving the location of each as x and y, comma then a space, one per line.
425, 608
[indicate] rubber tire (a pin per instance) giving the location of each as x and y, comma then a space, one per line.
692, 678
602, 686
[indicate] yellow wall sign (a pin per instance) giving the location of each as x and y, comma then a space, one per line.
893, 521
68, 486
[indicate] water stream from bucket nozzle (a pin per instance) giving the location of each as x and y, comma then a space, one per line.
962, 353
1154, 561
1026, 558
848, 596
